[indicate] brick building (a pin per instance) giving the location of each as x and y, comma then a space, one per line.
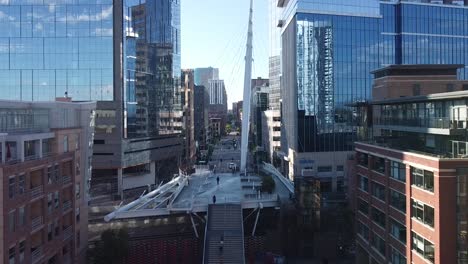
45, 169
411, 169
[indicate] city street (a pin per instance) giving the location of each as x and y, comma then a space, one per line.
227, 151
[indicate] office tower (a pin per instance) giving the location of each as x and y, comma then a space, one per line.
328, 51
188, 91
123, 54
45, 161
260, 103
201, 102
217, 108
327, 54
410, 179
274, 32
203, 75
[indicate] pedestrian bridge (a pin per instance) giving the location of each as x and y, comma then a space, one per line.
186, 194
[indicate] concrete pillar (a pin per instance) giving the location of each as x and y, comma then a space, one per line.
39, 148
120, 182
20, 150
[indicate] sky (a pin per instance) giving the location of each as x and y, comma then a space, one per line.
214, 33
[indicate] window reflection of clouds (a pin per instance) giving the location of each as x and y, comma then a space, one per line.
49, 47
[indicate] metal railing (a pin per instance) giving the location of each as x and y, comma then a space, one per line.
66, 205
36, 223
36, 255
430, 122
67, 233
37, 191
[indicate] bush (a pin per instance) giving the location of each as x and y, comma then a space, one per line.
268, 184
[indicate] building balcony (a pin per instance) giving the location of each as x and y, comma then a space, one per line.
455, 149
66, 206
36, 224
36, 254
436, 125
67, 232
37, 191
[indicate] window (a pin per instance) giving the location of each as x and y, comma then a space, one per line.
49, 175
49, 202
22, 246
56, 227
49, 232
363, 230
363, 183
324, 168
398, 200
397, 257
423, 179
378, 243
11, 221
422, 212
340, 168
11, 255
77, 213
378, 190
362, 159
378, 217
398, 231
56, 172
363, 206
378, 164
56, 199
339, 185
398, 171
99, 142
77, 190
11, 186
422, 246
65, 143
22, 216
21, 184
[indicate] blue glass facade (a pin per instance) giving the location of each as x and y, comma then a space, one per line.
334, 57
425, 34
151, 66
333, 52
52, 47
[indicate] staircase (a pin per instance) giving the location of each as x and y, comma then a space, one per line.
224, 223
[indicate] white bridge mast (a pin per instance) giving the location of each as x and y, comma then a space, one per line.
247, 94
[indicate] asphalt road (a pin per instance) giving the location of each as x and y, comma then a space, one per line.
226, 152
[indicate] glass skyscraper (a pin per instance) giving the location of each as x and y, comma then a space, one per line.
334, 45
152, 67
53, 48
124, 54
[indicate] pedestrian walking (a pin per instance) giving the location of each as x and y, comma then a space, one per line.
217, 179
214, 199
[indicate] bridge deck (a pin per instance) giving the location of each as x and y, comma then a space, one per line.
195, 192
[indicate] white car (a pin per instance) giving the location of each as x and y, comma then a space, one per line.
232, 165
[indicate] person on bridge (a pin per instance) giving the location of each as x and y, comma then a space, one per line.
217, 179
